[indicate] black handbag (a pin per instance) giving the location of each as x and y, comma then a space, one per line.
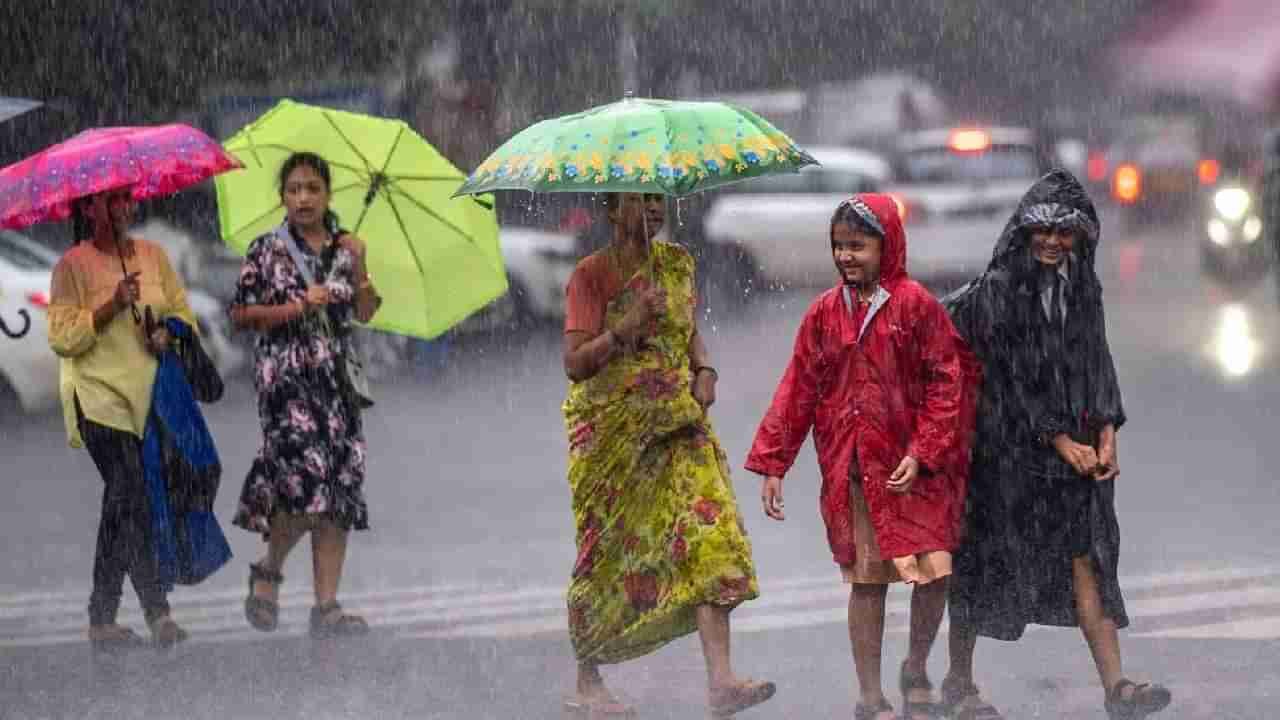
202, 375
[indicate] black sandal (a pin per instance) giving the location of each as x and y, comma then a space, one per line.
261, 613
869, 712
328, 621
907, 683
953, 697
1144, 699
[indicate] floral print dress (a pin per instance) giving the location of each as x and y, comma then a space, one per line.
658, 527
312, 459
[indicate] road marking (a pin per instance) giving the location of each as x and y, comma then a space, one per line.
1267, 628
474, 610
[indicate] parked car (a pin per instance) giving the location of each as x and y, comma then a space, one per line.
28, 369
777, 226
538, 264
959, 186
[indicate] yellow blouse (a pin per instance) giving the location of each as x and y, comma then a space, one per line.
111, 372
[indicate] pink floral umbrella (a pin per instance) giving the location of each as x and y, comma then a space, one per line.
153, 160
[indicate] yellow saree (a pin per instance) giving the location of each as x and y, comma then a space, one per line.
658, 527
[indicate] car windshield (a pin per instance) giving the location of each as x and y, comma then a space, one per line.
944, 165
19, 254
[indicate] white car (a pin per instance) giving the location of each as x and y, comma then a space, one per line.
538, 264
959, 187
780, 224
28, 368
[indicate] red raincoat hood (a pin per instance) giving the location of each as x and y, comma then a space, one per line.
893, 256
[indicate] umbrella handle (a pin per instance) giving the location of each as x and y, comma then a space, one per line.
137, 318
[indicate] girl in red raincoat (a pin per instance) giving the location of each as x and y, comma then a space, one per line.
888, 387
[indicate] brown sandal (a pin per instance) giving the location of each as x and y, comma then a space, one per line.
328, 621
1143, 700
953, 705
262, 614
114, 638
869, 712
727, 702
910, 708
165, 632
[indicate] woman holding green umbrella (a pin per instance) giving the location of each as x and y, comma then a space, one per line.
662, 550
300, 288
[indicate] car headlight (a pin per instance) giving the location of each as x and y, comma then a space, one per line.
1232, 203
1252, 228
1219, 233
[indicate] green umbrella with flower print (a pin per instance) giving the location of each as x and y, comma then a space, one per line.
640, 145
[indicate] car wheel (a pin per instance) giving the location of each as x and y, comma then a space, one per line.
511, 311
729, 280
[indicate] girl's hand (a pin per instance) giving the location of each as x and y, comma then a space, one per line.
771, 497
1108, 462
317, 295
159, 340
1082, 458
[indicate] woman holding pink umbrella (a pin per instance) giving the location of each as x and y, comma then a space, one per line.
108, 371
110, 358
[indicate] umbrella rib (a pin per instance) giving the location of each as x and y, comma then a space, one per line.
285, 148
431, 178
381, 178
430, 212
413, 252
368, 166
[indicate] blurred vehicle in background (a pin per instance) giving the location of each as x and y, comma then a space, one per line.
210, 273
1231, 246
28, 368
773, 231
539, 263
958, 188
1159, 164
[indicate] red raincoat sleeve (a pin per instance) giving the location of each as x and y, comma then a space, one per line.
791, 414
941, 421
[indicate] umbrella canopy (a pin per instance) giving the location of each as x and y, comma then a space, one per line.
435, 259
640, 145
153, 160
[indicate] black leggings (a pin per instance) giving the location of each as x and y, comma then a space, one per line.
124, 532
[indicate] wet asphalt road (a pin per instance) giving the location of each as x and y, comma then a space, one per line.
472, 543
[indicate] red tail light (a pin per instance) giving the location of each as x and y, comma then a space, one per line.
1097, 167
39, 299
1208, 170
969, 140
1126, 184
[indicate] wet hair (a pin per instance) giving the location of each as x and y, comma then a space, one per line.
848, 214
321, 166
305, 159
82, 219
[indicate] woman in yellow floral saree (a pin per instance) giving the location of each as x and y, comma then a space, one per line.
662, 550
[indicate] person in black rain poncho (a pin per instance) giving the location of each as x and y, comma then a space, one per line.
1042, 542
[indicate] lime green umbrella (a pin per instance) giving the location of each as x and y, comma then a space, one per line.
435, 259
640, 145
